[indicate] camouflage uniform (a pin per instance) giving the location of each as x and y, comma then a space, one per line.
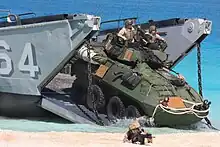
100, 57
151, 43
127, 32
97, 54
154, 35
136, 134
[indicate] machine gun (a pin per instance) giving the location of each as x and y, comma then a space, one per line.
143, 34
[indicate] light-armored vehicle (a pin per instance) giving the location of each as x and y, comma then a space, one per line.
35, 50
131, 80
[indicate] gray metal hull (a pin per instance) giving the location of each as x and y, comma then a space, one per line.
32, 52
35, 51
14, 105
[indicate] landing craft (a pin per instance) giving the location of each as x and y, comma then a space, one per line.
35, 50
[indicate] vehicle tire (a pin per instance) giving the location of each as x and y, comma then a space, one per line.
96, 95
132, 112
115, 108
77, 93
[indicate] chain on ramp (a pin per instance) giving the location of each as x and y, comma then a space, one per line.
199, 69
89, 93
208, 122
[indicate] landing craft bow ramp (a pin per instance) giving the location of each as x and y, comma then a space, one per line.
34, 50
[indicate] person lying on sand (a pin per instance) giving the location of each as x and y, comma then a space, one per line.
137, 134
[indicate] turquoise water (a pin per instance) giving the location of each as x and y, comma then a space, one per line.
119, 127
145, 10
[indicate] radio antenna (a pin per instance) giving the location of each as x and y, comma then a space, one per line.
138, 8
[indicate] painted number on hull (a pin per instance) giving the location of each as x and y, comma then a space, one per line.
26, 63
27, 55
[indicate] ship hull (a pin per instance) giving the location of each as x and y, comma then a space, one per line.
14, 105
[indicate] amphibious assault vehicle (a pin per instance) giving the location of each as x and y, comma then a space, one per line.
105, 88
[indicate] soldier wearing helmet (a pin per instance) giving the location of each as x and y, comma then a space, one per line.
127, 32
137, 134
154, 36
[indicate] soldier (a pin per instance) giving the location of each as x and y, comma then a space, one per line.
137, 134
128, 32
151, 43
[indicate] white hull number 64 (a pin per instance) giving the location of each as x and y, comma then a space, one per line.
26, 63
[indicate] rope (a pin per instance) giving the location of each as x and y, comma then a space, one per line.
149, 89
189, 111
185, 110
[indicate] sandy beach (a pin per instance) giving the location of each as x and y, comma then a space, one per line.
78, 139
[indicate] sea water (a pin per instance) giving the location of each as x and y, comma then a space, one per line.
144, 10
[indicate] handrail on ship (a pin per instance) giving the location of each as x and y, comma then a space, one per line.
118, 20
22, 14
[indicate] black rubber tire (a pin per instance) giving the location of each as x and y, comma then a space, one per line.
132, 112
115, 108
99, 99
77, 94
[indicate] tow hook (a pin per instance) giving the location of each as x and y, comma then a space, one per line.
206, 105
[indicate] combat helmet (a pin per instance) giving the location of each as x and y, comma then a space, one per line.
128, 22
152, 28
134, 125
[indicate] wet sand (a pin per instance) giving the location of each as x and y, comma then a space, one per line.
77, 139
